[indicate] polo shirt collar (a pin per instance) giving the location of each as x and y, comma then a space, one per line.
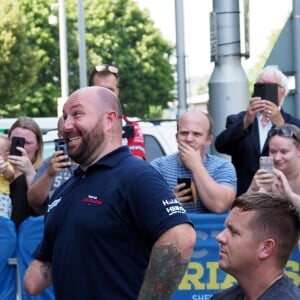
110, 160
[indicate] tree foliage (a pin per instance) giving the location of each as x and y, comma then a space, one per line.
18, 59
130, 40
117, 32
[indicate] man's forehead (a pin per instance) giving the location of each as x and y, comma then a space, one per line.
238, 213
200, 125
75, 101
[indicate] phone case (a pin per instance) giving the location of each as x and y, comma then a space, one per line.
16, 141
185, 180
266, 163
267, 91
60, 144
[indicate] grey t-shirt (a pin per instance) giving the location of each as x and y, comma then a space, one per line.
58, 179
282, 289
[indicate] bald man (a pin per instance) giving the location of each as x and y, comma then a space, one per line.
115, 230
213, 178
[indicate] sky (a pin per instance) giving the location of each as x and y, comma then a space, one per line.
265, 17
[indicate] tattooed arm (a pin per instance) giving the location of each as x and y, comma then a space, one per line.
168, 262
37, 277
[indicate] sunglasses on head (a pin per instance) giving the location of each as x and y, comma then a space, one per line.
284, 132
111, 69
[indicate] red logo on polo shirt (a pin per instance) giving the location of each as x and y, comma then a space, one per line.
92, 200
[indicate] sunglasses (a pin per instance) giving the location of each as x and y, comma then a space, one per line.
111, 69
284, 132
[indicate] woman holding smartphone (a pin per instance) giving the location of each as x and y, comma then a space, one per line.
25, 164
284, 148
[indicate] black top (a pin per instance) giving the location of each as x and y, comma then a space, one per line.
20, 208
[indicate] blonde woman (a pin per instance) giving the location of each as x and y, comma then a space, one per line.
25, 165
284, 148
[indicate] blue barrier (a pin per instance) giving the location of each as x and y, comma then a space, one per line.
203, 277
30, 234
8, 241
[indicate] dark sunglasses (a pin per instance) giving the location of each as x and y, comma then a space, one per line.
111, 69
284, 132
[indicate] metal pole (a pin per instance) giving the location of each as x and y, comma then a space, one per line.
296, 45
228, 84
82, 52
63, 49
180, 51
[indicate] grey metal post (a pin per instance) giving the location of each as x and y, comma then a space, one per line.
296, 46
63, 49
180, 53
228, 84
81, 42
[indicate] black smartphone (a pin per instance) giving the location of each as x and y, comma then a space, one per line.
128, 131
186, 180
60, 144
16, 141
268, 91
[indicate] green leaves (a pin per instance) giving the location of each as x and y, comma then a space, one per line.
117, 32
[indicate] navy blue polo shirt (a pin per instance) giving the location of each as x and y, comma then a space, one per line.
101, 226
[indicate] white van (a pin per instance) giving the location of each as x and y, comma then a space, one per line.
159, 135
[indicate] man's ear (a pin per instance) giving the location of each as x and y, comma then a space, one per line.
267, 248
112, 115
209, 140
110, 119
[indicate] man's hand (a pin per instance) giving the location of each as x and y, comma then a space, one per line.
190, 158
255, 106
182, 193
272, 112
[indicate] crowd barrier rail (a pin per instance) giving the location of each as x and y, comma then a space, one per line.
202, 279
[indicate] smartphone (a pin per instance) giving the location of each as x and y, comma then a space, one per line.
189, 184
16, 141
268, 91
60, 144
128, 131
186, 180
266, 163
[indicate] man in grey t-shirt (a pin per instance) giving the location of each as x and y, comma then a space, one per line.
260, 233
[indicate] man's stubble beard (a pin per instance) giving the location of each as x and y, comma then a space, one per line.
89, 144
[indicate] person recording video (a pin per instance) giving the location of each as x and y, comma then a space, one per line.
245, 136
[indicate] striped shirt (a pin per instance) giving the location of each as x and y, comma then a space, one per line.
220, 169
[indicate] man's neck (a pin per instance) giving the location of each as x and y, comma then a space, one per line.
255, 288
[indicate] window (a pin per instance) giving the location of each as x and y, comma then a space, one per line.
152, 147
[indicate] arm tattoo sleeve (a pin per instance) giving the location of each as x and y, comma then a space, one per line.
165, 271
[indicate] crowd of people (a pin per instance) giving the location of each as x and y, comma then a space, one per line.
101, 199
245, 137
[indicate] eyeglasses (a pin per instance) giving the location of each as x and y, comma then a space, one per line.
111, 69
284, 132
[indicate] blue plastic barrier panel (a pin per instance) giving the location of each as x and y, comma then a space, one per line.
8, 241
30, 234
204, 277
